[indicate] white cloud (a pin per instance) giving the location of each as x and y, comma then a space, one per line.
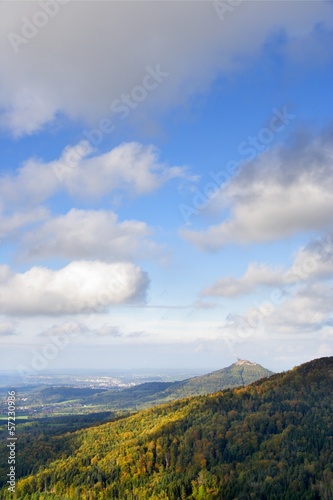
67, 329
10, 224
80, 287
311, 263
108, 331
130, 168
86, 73
255, 275
282, 193
305, 310
308, 310
89, 234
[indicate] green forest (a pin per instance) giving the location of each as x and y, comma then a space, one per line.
152, 393
272, 439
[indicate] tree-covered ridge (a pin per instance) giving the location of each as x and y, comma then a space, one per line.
150, 393
239, 373
140, 396
44, 440
55, 394
270, 440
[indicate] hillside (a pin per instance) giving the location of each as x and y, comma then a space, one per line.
56, 394
150, 393
53, 400
270, 440
240, 373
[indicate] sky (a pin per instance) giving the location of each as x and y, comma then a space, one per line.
166, 184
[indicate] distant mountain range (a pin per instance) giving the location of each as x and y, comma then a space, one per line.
272, 439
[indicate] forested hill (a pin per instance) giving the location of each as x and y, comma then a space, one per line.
270, 440
240, 373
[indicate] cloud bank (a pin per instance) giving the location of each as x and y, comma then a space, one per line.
90, 234
114, 42
130, 169
312, 263
285, 191
80, 287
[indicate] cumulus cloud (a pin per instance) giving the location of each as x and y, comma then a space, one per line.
304, 310
308, 310
163, 33
255, 275
90, 234
11, 224
311, 263
285, 191
80, 287
130, 168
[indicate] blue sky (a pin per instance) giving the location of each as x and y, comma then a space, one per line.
166, 184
